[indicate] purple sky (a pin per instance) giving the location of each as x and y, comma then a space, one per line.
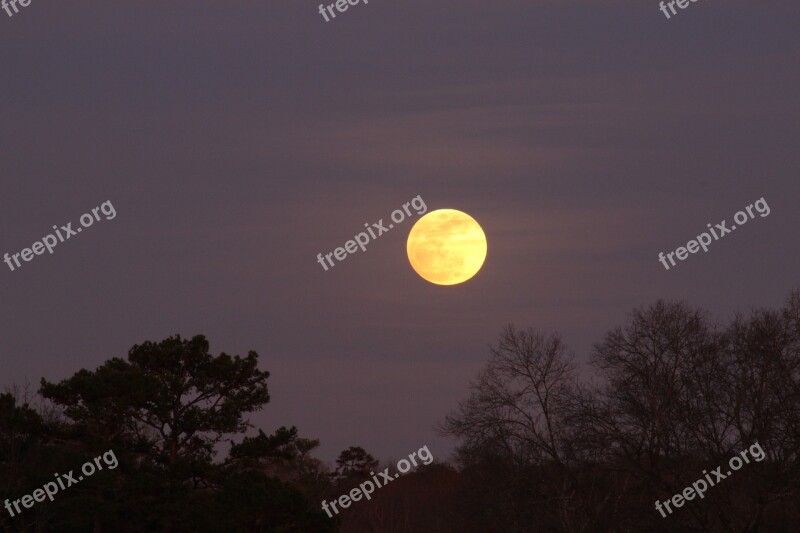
237, 140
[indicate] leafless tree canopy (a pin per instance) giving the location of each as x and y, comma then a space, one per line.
673, 394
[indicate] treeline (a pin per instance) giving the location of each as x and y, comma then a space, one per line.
546, 445
541, 447
174, 416
674, 395
165, 412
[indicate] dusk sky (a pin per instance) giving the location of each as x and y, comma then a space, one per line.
237, 140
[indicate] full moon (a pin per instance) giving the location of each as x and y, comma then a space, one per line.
446, 247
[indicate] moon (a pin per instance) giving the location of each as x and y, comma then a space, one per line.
446, 247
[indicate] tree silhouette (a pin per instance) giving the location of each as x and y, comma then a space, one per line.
674, 394
355, 463
165, 410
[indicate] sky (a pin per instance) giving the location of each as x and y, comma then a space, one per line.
237, 140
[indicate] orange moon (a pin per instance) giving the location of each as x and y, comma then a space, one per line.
446, 247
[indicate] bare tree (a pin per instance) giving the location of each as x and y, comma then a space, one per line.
764, 367
660, 410
518, 400
516, 413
